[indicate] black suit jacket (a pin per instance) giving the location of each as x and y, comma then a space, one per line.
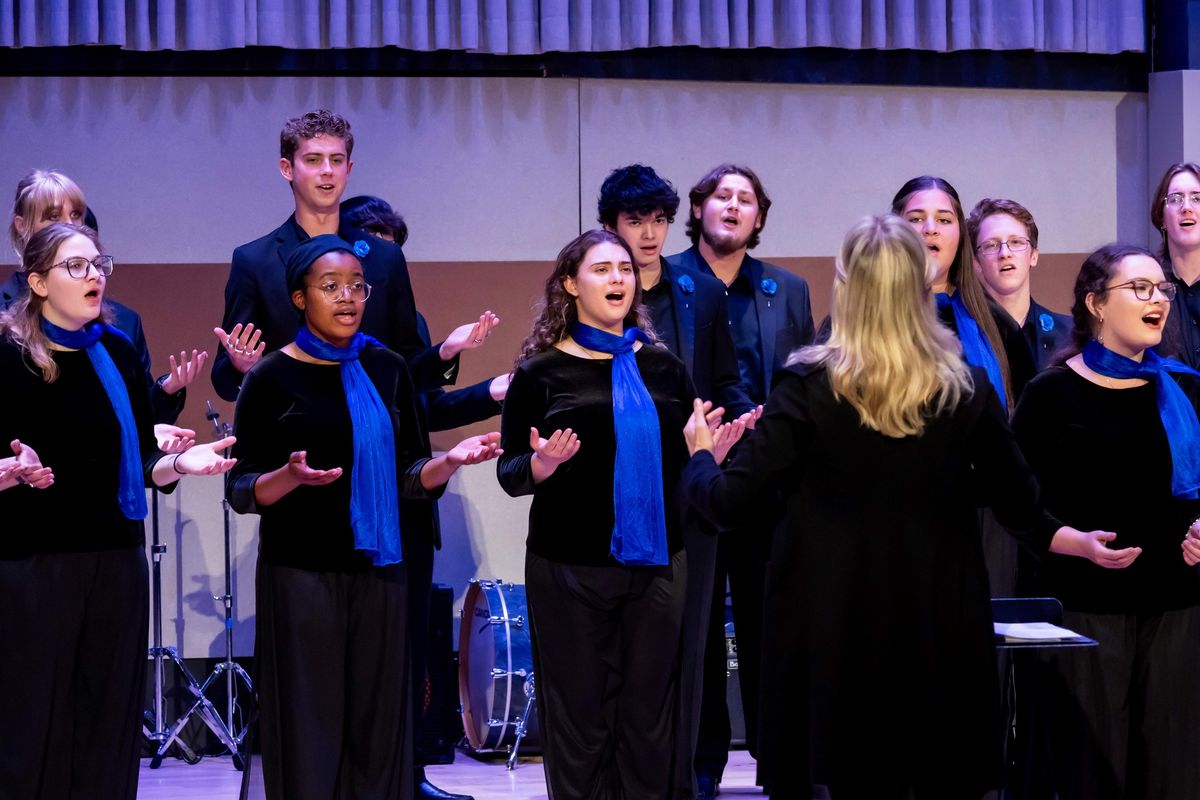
784, 319
1048, 332
165, 408
702, 337
257, 292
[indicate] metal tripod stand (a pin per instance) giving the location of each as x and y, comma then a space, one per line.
225, 730
154, 716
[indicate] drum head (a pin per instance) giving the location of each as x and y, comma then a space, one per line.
476, 659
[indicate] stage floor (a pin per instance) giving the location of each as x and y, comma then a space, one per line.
215, 779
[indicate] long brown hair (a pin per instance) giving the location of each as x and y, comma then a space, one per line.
962, 274
22, 323
556, 312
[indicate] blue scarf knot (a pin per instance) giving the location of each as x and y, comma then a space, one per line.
131, 492
374, 499
640, 522
1177, 413
977, 350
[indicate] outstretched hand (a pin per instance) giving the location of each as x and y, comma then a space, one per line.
26, 467
469, 336
206, 459
1093, 545
243, 345
173, 439
475, 450
299, 471
560, 447
184, 371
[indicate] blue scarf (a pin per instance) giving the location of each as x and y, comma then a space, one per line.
131, 494
977, 350
1177, 413
640, 526
374, 504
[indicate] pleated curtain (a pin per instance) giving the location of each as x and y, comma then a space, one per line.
535, 26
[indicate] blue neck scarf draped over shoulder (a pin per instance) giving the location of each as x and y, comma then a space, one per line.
131, 492
1177, 413
374, 502
977, 350
640, 528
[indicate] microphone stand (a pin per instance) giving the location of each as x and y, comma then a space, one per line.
225, 730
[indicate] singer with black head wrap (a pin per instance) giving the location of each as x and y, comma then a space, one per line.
73, 585
335, 463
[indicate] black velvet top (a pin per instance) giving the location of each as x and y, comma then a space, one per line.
71, 425
1102, 459
571, 519
287, 405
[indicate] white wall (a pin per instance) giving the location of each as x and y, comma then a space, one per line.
183, 169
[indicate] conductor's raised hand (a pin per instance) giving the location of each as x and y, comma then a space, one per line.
243, 345
1191, 545
184, 371
29, 469
475, 450
726, 436
697, 431
206, 459
469, 336
299, 471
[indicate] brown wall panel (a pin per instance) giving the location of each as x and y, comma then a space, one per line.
181, 303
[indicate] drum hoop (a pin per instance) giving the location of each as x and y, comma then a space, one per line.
508, 691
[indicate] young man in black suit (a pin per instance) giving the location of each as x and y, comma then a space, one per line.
315, 160
769, 316
688, 310
1004, 239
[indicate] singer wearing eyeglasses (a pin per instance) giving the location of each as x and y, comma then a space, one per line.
1113, 437
73, 579
1175, 214
333, 460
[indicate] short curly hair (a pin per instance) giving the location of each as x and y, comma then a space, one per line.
321, 122
636, 189
707, 186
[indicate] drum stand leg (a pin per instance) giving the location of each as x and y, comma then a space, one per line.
511, 764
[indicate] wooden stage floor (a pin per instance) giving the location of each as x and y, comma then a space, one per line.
216, 779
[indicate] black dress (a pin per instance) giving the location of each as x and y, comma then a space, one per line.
1126, 715
331, 645
605, 636
74, 603
878, 647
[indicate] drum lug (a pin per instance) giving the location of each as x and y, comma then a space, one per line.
496, 723
516, 622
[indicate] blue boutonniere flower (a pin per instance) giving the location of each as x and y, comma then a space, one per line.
769, 287
1046, 321
686, 284
361, 248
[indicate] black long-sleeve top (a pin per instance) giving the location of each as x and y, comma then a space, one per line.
1102, 458
71, 425
571, 519
287, 405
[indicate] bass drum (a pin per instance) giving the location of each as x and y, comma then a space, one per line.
495, 668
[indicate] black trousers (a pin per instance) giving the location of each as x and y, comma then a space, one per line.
700, 544
332, 654
605, 649
72, 674
1126, 715
742, 560
418, 558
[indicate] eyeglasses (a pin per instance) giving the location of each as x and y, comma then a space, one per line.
1177, 199
991, 247
77, 266
1143, 289
359, 290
